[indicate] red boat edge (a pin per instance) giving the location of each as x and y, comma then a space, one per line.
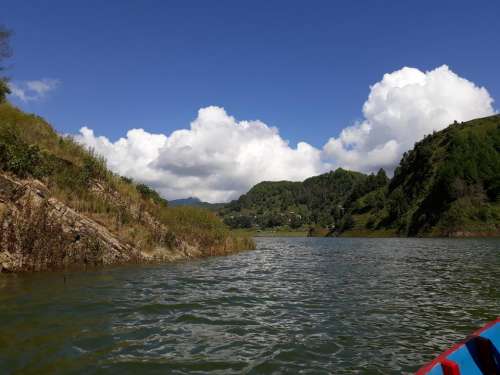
442, 358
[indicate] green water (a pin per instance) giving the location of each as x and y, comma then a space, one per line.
295, 305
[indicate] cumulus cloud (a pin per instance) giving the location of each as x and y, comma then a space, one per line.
218, 157
27, 91
403, 107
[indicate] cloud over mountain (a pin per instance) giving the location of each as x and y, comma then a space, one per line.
219, 157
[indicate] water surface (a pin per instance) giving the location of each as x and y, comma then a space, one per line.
293, 306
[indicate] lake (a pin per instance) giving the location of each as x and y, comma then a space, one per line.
293, 306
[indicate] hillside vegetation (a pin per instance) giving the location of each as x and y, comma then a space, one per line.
448, 185
319, 200
30, 150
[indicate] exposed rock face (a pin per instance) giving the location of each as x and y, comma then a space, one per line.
38, 232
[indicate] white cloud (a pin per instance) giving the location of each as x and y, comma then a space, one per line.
218, 158
27, 91
406, 105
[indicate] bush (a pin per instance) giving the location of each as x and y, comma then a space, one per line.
4, 89
239, 221
370, 223
39, 239
149, 193
94, 167
5, 52
347, 222
18, 157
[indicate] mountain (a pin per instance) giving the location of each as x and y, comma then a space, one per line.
195, 202
191, 201
448, 185
60, 206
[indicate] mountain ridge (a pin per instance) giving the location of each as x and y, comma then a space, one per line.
195, 202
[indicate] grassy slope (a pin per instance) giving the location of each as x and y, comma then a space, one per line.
29, 147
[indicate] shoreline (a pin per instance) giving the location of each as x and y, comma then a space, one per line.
352, 234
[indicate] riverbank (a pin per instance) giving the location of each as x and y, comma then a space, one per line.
40, 232
269, 233
60, 206
359, 233
307, 233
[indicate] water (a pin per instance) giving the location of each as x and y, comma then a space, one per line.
294, 306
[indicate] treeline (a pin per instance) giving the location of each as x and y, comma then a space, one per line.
5, 52
449, 184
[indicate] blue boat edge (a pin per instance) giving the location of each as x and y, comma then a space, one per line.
478, 354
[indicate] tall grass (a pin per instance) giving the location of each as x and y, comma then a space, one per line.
29, 147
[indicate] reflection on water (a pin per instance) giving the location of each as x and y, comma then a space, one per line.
311, 306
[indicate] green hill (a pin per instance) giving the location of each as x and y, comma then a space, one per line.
448, 185
319, 200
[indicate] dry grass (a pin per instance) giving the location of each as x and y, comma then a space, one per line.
79, 178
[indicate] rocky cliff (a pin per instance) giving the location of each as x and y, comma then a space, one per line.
39, 232
60, 206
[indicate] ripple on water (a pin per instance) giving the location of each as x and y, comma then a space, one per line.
309, 306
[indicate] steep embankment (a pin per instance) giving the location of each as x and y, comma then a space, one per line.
60, 206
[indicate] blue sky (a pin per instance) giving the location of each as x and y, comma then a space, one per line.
304, 67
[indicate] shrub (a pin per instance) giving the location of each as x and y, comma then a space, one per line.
151, 194
36, 236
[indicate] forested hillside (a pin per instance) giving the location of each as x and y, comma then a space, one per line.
321, 200
449, 184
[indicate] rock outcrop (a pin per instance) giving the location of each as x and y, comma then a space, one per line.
38, 232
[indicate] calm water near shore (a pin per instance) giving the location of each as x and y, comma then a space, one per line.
295, 305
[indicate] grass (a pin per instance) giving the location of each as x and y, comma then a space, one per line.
30, 147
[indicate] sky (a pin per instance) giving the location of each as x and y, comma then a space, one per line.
207, 98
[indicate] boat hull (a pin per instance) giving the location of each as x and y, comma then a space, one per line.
478, 354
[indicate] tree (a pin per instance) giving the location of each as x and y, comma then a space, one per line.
381, 178
347, 222
296, 222
5, 52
